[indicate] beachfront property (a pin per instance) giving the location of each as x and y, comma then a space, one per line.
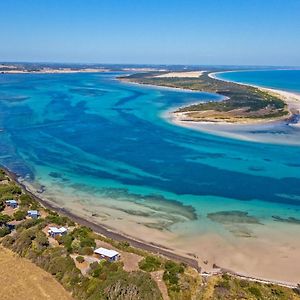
109, 255
55, 232
11, 203
34, 214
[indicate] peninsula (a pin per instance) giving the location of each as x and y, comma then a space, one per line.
240, 103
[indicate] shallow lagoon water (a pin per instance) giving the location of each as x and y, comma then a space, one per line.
100, 145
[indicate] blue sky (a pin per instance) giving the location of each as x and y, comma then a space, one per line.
254, 32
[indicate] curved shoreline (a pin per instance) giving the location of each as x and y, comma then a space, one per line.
85, 220
152, 248
286, 96
239, 130
102, 229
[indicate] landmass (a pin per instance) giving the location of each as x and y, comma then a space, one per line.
240, 103
19, 68
138, 274
24, 280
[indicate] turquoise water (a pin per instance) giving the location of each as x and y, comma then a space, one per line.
91, 135
288, 80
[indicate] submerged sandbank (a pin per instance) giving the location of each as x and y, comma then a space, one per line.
232, 240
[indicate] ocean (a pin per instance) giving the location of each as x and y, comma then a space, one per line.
288, 80
102, 149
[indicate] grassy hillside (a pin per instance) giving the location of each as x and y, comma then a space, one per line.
24, 280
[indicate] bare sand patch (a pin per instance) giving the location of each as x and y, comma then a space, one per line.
189, 74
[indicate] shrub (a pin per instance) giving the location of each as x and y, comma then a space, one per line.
223, 284
26, 200
67, 240
87, 242
4, 230
80, 259
56, 219
2, 175
30, 223
2, 205
123, 245
4, 219
85, 251
255, 291
42, 240
150, 264
20, 215
94, 265
171, 275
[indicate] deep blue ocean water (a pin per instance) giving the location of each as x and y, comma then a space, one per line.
288, 80
92, 133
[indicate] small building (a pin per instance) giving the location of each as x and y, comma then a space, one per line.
12, 203
110, 255
12, 224
55, 232
34, 214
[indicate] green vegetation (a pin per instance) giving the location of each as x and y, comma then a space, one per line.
172, 275
227, 287
55, 218
80, 259
150, 264
4, 219
4, 230
106, 280
20, 215
251, 102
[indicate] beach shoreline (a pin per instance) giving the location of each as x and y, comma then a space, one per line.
101, 229
224, 128
150, 247
235, 129
290, 98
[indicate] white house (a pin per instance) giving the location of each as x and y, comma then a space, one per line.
54, 231
34, 214
12, 203
110, 255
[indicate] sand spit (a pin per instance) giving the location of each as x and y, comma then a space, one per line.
189, 74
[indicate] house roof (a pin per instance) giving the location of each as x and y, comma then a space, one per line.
63, 229
11, 201
33, 212
106, 252
54, 230
57, 230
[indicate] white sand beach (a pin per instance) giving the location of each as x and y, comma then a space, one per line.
252, 256
244, 129
188, 74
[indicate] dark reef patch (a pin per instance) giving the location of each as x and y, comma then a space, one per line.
290, 220
89, 92
232, 217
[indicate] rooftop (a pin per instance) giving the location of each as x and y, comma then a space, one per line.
106, 252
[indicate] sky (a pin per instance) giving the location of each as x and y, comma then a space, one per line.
217, 32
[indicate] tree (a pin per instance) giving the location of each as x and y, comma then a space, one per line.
20, 215
4, 219
80, 259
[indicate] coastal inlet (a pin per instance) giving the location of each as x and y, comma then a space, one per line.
102, 149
